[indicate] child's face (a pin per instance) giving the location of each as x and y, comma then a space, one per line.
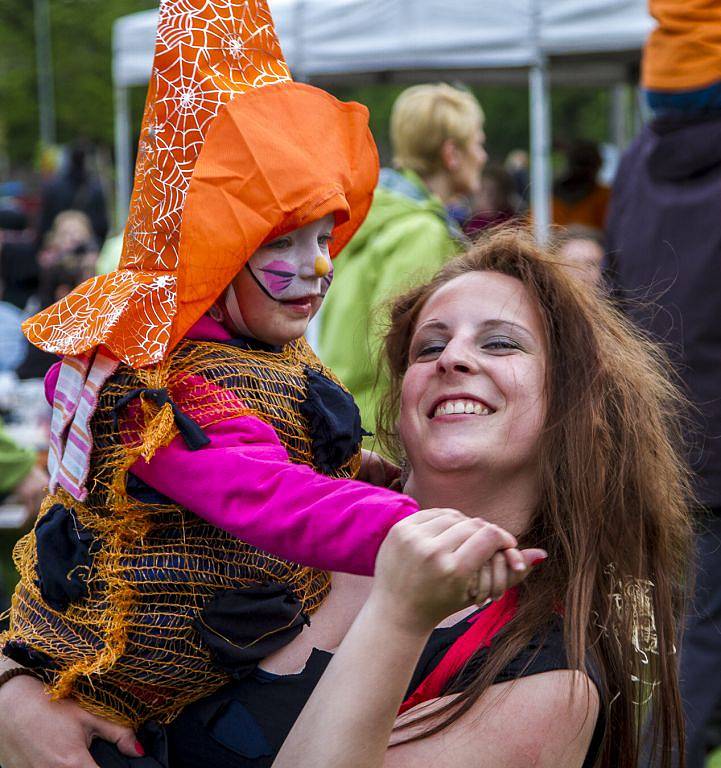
283, 284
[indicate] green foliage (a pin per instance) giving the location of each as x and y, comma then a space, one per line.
577, 112
82, 52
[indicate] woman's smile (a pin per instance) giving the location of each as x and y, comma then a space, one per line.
473, 394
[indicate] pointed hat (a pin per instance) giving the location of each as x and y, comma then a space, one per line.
232, 153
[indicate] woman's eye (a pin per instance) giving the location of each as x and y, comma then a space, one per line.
501, 343
325, 240
428, 350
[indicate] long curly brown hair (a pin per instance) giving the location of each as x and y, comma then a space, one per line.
614, 498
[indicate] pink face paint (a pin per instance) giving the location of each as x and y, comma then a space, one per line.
293, 266
277, 276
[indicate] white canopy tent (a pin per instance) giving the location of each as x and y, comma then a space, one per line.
336, 41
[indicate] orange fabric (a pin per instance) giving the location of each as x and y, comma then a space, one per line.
684, 51
263, 173
246, 189
589, 212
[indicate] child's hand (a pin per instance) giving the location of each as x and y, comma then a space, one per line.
378, 471
438, 561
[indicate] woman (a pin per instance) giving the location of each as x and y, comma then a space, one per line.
578, 447
515, 387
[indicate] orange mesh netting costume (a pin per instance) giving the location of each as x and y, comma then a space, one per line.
232, 154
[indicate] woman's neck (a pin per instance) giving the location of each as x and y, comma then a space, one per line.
439, 184
507, 502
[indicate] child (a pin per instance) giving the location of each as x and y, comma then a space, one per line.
188, 401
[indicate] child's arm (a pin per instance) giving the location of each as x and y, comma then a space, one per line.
244, 483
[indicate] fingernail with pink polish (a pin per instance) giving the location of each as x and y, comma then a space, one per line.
139, 749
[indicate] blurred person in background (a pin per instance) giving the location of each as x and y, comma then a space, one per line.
68, 259
664, 244
22, 477
495, 203
517, 164
582, 250
13, 345
578, 197
437, 138
74, 188
70, 244
18, 248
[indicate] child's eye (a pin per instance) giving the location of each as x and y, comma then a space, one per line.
325, 240
279, 244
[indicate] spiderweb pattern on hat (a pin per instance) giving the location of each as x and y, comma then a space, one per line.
207, 51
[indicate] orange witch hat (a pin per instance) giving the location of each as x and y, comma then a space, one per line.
232, 153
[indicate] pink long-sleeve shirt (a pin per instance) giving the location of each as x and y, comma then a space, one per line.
244, 483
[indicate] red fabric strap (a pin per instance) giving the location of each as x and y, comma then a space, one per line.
485, 625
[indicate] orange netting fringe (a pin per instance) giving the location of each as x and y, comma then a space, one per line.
129, 650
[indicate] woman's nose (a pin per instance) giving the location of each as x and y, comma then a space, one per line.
457, 357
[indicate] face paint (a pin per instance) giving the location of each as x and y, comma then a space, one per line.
325, 281
281, 287
295, 265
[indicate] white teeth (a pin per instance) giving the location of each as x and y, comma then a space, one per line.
461, 406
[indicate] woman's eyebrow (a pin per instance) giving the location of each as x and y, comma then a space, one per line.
436, 324
508, 325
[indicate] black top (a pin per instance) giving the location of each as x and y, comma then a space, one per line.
245, 723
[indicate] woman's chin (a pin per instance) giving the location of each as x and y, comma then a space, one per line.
454, 456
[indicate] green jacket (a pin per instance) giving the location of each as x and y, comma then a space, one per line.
406, 238
15, 463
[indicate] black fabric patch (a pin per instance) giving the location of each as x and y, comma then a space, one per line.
141, 491
28, 657
242, 626
333, 420
189, 429
64, 555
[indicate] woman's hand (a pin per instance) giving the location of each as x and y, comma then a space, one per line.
377, 470
36, 732
439, 561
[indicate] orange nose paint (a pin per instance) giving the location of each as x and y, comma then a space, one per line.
322, 266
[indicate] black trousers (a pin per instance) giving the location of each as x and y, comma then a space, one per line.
700, 662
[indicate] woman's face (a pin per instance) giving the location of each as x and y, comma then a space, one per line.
283, 284
473, 395
472, 158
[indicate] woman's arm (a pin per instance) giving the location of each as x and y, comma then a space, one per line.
422, 575
36, 732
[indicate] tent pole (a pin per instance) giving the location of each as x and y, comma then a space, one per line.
122, 156
539, 94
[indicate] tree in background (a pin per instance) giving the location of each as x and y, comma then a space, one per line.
82, 53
